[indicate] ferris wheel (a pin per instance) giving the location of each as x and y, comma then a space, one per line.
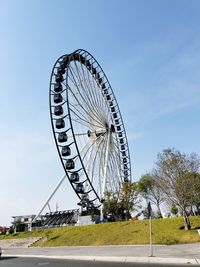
88, 128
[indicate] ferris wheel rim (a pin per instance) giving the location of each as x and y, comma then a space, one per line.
80, 52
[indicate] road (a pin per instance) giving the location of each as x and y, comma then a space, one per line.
32, 262
134, 254
189, 251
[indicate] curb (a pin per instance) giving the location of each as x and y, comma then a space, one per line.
115, 259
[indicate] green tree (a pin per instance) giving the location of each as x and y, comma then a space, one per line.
128, 198
11, 230
150, 190
111, 206
195, 197
119, 205
174, 209
172, 170
188, 190
143, 187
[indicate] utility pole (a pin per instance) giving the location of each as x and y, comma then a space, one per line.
150, 229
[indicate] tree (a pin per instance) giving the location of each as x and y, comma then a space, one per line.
145, 213
119, 205
143, 187
172, 172
195, 197
128, 198
190, 181
110, 205
150, 190
174, 210
11, 230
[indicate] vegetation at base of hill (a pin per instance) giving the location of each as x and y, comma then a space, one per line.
119, 205
174, 181
165, 231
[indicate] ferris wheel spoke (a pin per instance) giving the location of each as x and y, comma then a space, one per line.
97, 155
90, 108
81, 99
81, 134
101, 169
83, 78
77, 101
110, 185
115, 170
105, 166
78, 135
100, 98
116, 157
116, 149
94, 92
92, 160
82, 116
116, 160
103, 116
86, 78
112, 175
91, 145
85, 147
89, 185
103, 103
87, 114
85, 111
100, 163
86, 100
112, 169
115, 143
80, 120
87, 165
82, 149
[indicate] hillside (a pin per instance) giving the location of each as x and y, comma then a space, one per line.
165, 231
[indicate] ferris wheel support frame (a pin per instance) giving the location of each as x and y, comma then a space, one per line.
105, 166
104, 177
50, 197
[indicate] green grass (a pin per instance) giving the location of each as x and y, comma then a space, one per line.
165, 231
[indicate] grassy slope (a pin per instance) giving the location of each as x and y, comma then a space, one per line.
165, 231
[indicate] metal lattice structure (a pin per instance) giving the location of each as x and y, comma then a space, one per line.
88, 128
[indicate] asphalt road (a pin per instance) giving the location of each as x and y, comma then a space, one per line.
32, 262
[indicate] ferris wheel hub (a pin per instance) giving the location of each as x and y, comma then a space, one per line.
101, 131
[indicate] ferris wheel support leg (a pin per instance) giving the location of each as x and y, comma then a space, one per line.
105, 174
50, 197
88, 166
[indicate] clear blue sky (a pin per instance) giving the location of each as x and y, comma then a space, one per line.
150, 51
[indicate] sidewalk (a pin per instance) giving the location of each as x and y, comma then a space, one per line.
182, 254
